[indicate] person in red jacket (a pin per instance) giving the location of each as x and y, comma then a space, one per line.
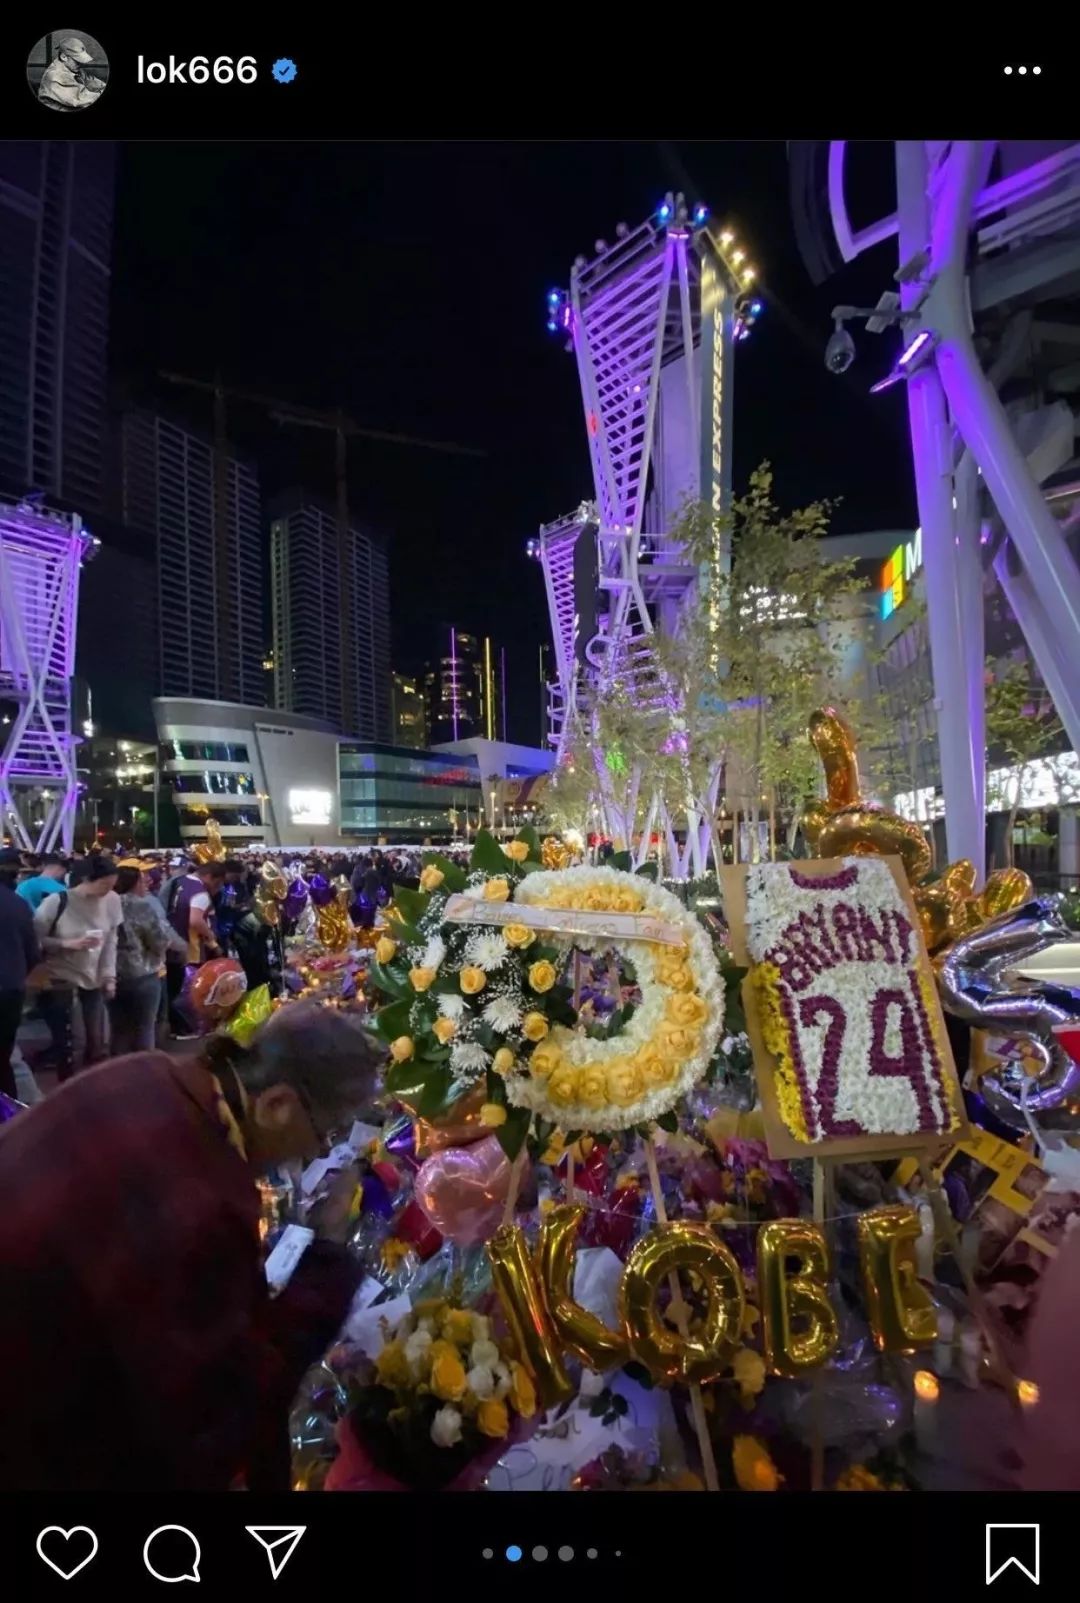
140, 1346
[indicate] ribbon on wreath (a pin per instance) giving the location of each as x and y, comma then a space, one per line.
565, 921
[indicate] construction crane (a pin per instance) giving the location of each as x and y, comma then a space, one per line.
343, 428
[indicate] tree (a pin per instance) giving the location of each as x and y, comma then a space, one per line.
1021, 723
768, 634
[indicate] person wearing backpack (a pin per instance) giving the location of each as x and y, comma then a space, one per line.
77, 930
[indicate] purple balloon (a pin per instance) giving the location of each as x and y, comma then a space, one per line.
8, 1107
322, 892
294, 903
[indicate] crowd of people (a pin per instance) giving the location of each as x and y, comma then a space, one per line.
113, 940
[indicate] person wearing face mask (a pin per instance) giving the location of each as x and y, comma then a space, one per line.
77, 929
130, 1235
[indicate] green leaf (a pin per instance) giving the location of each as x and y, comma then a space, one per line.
393, 1020
453, 876
531, 838
512, 1134
432, 1052
437, 1095
496, 1088
412, 904
638, 1372
404, 934
385, 979
669, 1121
622, 861
406, 1079
649, 871
488, 856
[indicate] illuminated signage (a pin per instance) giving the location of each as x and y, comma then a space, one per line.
898, 572
310, 806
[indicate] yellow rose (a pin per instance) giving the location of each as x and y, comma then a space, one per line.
675, 976
686, 1009
457, 1327
448, 1378
676, 1043
444, 1030
492, 1115
624, 1082
522, 1391
472, 980
516, 850
503, 1061
497, 890
402, 1049
385, 949
519, 935
492, 1417
391, 1366
546, 1059
754, 1469
542, 975
654, 1071
592, 1090
534, 1026
563, 1086
421, 979
749, 1367
431, 878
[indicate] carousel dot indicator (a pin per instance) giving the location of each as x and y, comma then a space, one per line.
566, 1554
513, 1554
488, 1553
539, 1554
591, 1553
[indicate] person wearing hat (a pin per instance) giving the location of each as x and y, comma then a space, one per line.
143, 940
64, 85
19, 954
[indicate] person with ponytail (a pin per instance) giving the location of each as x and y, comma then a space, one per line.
134, 1294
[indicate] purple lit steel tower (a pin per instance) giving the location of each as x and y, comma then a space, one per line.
652, 320
999, 251
41, 553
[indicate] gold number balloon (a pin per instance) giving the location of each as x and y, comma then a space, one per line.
901, 1314
798, 1323
586, 1336
703, 1354
834, 741
523, 1304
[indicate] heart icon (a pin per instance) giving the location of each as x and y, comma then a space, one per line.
61, 1540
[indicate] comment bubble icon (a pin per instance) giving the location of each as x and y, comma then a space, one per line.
175, 1559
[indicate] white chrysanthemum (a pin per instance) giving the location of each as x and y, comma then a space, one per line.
416, 1349
481, 1327
484, 1354
451, 1006
446, 1427
488, 950
503, 1014
466, 1057
434, 952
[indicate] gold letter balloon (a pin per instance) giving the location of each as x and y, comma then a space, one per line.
701, 1355
523, 1305
586, 1336
798, 1323
901, 1314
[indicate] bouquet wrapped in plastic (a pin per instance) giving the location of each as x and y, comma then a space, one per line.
435, 1409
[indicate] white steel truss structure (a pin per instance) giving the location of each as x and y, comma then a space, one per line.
969, 246
41, 553
652, 320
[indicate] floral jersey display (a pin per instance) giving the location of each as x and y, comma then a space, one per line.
846, 1002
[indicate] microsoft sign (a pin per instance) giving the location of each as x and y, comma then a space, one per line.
898, 573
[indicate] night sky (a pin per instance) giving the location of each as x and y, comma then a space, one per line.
406, 284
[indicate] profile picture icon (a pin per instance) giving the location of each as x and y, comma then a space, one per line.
67, 71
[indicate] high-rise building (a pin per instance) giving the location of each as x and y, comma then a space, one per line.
464, 690
207, 539
56, 213
409, 706
310, 613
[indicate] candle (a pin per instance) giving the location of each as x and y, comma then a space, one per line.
970, 1355
1027, 1393
924, 1246
943, 1354
927, 1392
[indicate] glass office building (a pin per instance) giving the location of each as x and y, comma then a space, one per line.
399, 795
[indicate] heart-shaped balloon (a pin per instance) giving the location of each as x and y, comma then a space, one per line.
321, 890
459, 1126
463, 1190
296, 900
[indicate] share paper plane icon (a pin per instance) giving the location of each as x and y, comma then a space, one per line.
280, 1542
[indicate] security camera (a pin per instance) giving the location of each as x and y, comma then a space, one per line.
840, 351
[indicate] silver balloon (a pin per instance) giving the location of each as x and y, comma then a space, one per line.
975, 987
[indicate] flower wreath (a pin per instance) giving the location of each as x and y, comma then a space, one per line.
474, 999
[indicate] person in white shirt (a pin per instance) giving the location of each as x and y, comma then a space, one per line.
77, 930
